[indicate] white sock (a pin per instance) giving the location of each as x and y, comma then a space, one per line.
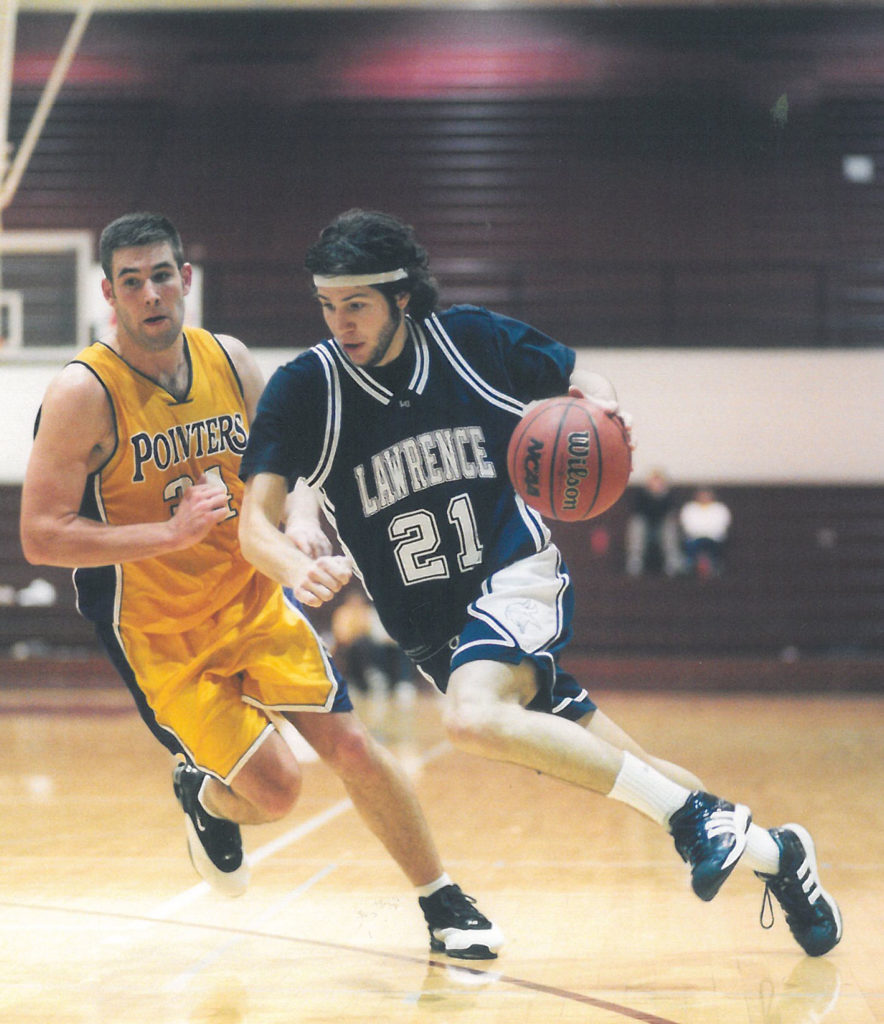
762, 853
440, 883
202, 802
645, 789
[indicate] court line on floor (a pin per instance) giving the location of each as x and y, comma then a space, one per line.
181, 980
626, 1012
159, 915
304, 828
188, 896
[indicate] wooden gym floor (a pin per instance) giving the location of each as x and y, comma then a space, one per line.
102, 920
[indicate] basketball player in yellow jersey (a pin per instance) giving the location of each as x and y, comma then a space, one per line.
133, 482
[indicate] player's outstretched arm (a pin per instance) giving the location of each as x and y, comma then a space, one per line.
313, 580
75, 438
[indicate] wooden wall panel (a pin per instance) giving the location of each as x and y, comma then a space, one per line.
643, 179
804, 577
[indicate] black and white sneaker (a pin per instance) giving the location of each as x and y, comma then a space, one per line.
812, 915
710, 835
457, 927
214, 844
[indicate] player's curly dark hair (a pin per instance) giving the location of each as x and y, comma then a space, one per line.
369, 242
136, 229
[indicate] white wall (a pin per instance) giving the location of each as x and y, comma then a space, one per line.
725, 416
718, 416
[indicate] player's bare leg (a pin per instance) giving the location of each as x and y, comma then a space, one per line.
605, 729
485, 715
387, 802
379, 788
265, 789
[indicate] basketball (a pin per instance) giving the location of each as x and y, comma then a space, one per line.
569, 459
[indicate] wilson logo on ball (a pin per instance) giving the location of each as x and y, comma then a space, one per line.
569, 459
577, 469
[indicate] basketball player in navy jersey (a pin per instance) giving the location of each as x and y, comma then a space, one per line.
399, 424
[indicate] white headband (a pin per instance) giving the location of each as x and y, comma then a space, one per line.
358, 280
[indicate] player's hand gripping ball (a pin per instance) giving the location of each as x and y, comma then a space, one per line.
569, 459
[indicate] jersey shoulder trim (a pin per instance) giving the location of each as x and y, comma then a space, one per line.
332, 431
96, 373
191, 332
452, 353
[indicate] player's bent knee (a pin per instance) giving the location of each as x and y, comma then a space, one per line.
353, 750
468, 724
272, 786
278, 795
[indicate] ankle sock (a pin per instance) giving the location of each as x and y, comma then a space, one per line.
431, 887
762, 853
647, 790
202, 802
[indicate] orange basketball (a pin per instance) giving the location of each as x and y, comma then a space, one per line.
569, 459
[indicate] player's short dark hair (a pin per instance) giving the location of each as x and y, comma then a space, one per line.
135, 229
370, 242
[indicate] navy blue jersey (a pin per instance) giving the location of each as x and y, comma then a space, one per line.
410, 460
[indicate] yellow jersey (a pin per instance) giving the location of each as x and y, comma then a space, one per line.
163, 446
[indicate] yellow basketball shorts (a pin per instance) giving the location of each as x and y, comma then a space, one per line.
207, 693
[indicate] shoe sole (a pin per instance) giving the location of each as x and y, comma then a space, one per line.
475, 952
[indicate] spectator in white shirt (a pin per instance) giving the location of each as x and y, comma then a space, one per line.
705, 525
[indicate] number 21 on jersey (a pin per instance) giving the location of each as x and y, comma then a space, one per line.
418, 536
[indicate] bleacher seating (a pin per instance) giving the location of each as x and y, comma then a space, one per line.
804, 575
58, 627
804, 578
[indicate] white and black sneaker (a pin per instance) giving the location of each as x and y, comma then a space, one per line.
812, 915
457, 927
214, 844
710, 835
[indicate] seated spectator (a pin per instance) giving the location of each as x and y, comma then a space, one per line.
705, 525
652, 539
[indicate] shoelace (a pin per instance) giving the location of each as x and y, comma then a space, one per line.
796, 894
766, 902
453, 901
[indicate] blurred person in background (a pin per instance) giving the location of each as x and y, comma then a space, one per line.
366, 654
705, 523
652, 538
